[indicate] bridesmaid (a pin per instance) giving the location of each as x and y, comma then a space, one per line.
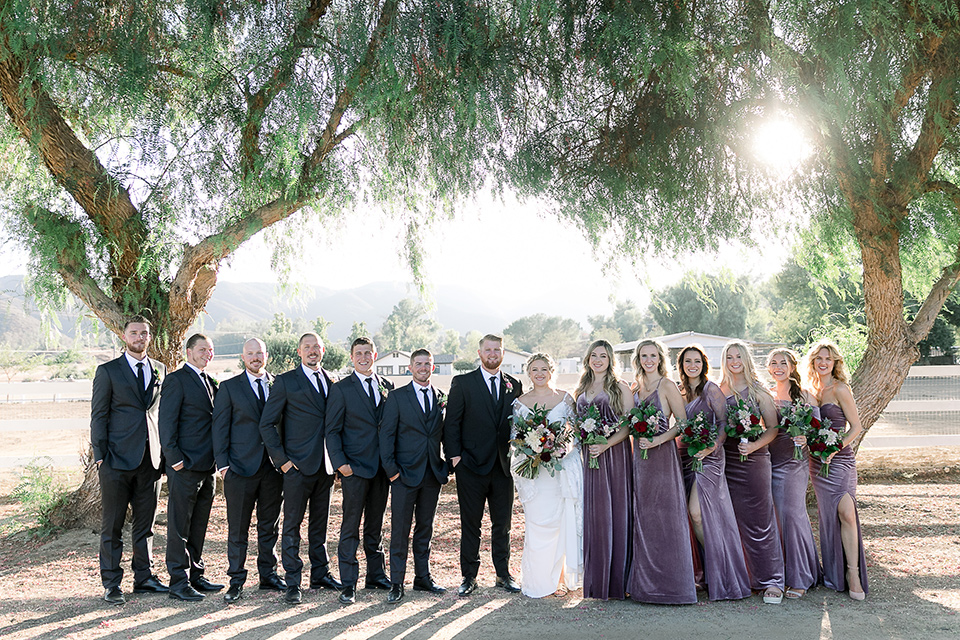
790, 477
607, 490
711, 512
841, 541
662, 568
749, 480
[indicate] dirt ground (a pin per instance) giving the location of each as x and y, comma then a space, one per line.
909, 507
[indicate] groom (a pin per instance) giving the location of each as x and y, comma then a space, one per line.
475, 435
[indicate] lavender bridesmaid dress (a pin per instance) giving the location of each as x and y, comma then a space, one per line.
662, 568
790, 477
830, 490
752, 497
606, 513
724, 567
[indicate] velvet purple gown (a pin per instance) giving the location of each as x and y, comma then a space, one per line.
725, 571
662, 568
752, 497
841, 481
607, 495
790, 477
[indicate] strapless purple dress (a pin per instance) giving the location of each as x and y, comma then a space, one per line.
752, 497
724, 568
607, 495
830, 490
789, 480
662, 568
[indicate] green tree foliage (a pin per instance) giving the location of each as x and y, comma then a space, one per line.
717, 304
409, 326
358, 330
553, 334
464, 364
451, 343
628, 322
282, 352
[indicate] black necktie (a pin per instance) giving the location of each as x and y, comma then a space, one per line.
373, 398
206, 383
426, 401
493, 388
142, 381
319, 384
260, 395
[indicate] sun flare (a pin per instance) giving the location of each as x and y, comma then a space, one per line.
780, 144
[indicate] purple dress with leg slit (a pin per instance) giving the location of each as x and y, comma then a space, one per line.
662, 568
725, 571
841, 481
607, 494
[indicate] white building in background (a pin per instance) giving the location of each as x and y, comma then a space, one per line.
514, 362
675, 342
569, 365
444, 364
392, 363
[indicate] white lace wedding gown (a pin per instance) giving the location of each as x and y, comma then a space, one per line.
553, 512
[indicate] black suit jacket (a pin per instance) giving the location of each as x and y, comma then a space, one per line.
186, 420
353, 425
122, 420
475, 428
409, 441
236, 426
292, 422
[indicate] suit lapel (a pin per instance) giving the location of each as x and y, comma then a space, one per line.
193, 375
483, 381
361, 390
315, 395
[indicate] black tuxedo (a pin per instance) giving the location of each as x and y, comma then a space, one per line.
126, 442
250, 479
292, 428
352, 434
410, 446
478, 430
186, 434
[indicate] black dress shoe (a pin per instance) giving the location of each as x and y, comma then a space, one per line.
348, 595
293, 595
326, 582
468, 586
202, 584
114, 595
187, 593
507, 583
396, 594
378, 583
150, 585
234, 593
427, 584
272, 583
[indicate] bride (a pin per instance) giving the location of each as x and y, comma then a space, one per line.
552, 505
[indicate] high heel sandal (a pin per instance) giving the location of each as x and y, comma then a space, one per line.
854, 595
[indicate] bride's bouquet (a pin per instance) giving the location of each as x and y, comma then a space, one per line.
824, 441
643, 422
698, 436
744, 423
797, 419
593, 429
539, 443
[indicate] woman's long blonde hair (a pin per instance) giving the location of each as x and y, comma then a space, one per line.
839, 369
611, 378
755, 388
661, 352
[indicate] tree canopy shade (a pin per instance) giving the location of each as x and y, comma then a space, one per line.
145, 141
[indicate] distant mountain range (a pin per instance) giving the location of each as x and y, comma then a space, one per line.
456, 308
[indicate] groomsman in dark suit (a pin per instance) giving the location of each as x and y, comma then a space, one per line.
249, 478
186, 433
476, 432
352, 432
126, 448
410, 437
292, 427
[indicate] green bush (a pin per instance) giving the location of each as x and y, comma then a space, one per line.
40, 493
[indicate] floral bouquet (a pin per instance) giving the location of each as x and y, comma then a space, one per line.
824, 441
643, 422
797, 419
593, 429
698, 436
743, 423
539, 443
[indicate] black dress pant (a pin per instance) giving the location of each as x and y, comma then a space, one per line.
301, 492
139, 488
188, 511
366, 497
405, 504
473, 491
263, 490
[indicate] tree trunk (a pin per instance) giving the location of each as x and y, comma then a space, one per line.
82, 508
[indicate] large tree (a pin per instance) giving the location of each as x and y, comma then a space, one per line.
145, 141
707, 303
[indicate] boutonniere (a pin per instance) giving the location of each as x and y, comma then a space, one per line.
383, 391
270, 380
507, 384
441, 400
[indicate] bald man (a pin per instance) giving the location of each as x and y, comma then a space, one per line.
249, 478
